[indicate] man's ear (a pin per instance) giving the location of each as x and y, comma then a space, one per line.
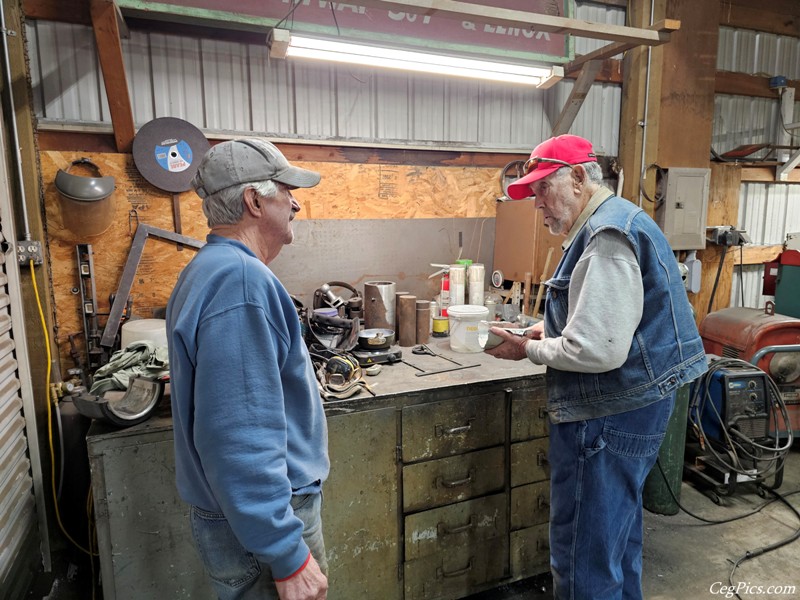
252, 202
579, 174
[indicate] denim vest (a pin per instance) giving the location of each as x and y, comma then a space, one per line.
666, 351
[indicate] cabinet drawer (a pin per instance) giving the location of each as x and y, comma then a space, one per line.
453, 479
530, 505
528, 417
467, 524
530, 551
529, 461
453, 426
457, 571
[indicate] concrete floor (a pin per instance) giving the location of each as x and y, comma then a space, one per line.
683, 558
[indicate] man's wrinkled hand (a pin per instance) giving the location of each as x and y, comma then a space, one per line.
308, 584
512, 346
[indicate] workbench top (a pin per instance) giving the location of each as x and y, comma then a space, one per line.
394, 380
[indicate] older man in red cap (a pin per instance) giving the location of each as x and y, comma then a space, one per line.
618, 339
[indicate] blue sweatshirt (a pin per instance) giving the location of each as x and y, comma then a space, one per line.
249, 424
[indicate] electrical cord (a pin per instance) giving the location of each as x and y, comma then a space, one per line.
716, 279
741, 271
749, 554
737, 442
677, 502
658, 198
50, 418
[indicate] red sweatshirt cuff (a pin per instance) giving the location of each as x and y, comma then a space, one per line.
303, 566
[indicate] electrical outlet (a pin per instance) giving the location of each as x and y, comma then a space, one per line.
29, 250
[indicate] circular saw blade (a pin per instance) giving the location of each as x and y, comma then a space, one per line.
167, 152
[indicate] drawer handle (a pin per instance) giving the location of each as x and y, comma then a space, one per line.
454, 483
541, 459
543, 502
542, 412
542, 545
443, 529
440, 572
442, 430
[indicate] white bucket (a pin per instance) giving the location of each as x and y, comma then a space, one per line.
154, 330
464, 321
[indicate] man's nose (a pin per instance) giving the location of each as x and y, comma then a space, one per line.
295, 205
538, 202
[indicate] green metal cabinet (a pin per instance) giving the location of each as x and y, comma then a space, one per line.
143, 533
360, 506
438, 489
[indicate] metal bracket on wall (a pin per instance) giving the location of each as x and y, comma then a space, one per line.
143, 232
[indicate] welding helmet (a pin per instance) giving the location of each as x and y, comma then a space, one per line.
84, 189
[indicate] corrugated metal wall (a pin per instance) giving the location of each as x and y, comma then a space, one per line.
767, 211
229, 87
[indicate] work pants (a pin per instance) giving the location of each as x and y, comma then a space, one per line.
235, 573
598, 470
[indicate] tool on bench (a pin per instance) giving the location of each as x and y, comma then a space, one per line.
424, 349
447, 370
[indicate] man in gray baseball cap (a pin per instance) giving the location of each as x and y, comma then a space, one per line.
247, 161
251, 443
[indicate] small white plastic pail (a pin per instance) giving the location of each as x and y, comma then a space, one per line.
464, 321
154, 330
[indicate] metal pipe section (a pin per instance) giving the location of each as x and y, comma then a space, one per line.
767, 349
646, 102
14, 131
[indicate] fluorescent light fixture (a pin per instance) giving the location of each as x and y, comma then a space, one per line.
285, 45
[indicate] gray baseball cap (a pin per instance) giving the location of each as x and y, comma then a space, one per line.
247, 161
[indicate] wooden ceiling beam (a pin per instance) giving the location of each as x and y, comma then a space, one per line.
742, 84
781, 17
109, 50
667, 26
517, 18
65, 11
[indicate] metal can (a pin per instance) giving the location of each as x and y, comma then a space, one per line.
441, 327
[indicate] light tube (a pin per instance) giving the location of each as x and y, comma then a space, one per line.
331, 50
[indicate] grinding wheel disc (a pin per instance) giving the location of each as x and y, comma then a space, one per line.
167, 152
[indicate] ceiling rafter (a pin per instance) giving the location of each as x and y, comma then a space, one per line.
106, 25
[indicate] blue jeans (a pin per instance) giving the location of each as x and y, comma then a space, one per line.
598, 469
235, 573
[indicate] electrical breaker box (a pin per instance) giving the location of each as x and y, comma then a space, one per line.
683, 206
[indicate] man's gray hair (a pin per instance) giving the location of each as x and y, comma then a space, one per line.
594, 172
226, 206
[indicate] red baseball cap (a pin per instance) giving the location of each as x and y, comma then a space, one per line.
547, 158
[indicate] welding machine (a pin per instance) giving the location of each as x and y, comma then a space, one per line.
732, 436
745, 333
737, 399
